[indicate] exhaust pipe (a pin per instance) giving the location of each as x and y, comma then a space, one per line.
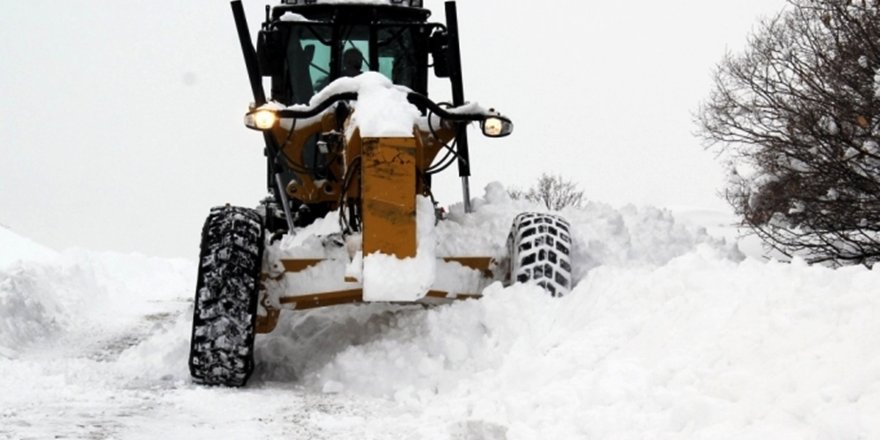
464, 166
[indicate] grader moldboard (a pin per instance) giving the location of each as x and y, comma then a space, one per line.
318, 163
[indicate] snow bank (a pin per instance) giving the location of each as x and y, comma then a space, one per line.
29, 307
603, 235
14, 248
45, 295
702, 347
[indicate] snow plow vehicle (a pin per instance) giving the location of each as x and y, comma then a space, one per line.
350, 133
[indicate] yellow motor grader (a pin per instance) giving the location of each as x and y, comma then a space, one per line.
350, 131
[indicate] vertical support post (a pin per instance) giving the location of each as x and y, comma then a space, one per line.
456, 78
250, 54
285, 203
256, 80
252, 64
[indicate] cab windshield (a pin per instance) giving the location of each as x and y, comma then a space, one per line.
318, 54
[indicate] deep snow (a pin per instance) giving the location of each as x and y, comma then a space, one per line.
670, 333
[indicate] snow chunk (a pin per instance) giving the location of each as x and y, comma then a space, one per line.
382, 109
388, 278
272, 105
333, 387
355, 269
468, 108
454, 278
851, 153
799, 165
292, 17
829, 125
832, 194
877, 83
496, 193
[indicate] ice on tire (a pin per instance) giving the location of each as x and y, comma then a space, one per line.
225, 307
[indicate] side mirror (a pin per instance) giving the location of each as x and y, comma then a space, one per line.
438, 44
496, 126
270, 52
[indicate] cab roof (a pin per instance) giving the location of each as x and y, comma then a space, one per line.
325, 10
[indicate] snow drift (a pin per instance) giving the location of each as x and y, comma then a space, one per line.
45, 294
14, 248
702, 347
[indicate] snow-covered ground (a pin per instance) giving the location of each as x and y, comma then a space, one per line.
670, 333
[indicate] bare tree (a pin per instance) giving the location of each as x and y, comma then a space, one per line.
797, 117
552, 191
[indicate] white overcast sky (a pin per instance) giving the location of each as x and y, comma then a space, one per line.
121, 120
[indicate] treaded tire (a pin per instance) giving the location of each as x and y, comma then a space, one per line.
225, 307
539, 246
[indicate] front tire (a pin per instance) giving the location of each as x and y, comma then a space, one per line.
539, 246
225, 307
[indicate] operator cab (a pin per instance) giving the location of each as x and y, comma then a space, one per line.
304, 45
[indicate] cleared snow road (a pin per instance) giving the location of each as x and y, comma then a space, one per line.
102, 382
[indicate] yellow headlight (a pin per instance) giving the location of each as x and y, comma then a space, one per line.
261, 120
265, 119
493, 126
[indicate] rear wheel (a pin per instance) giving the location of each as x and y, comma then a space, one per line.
539, 246
225, 308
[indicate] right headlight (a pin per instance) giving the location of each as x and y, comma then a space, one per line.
496, 126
